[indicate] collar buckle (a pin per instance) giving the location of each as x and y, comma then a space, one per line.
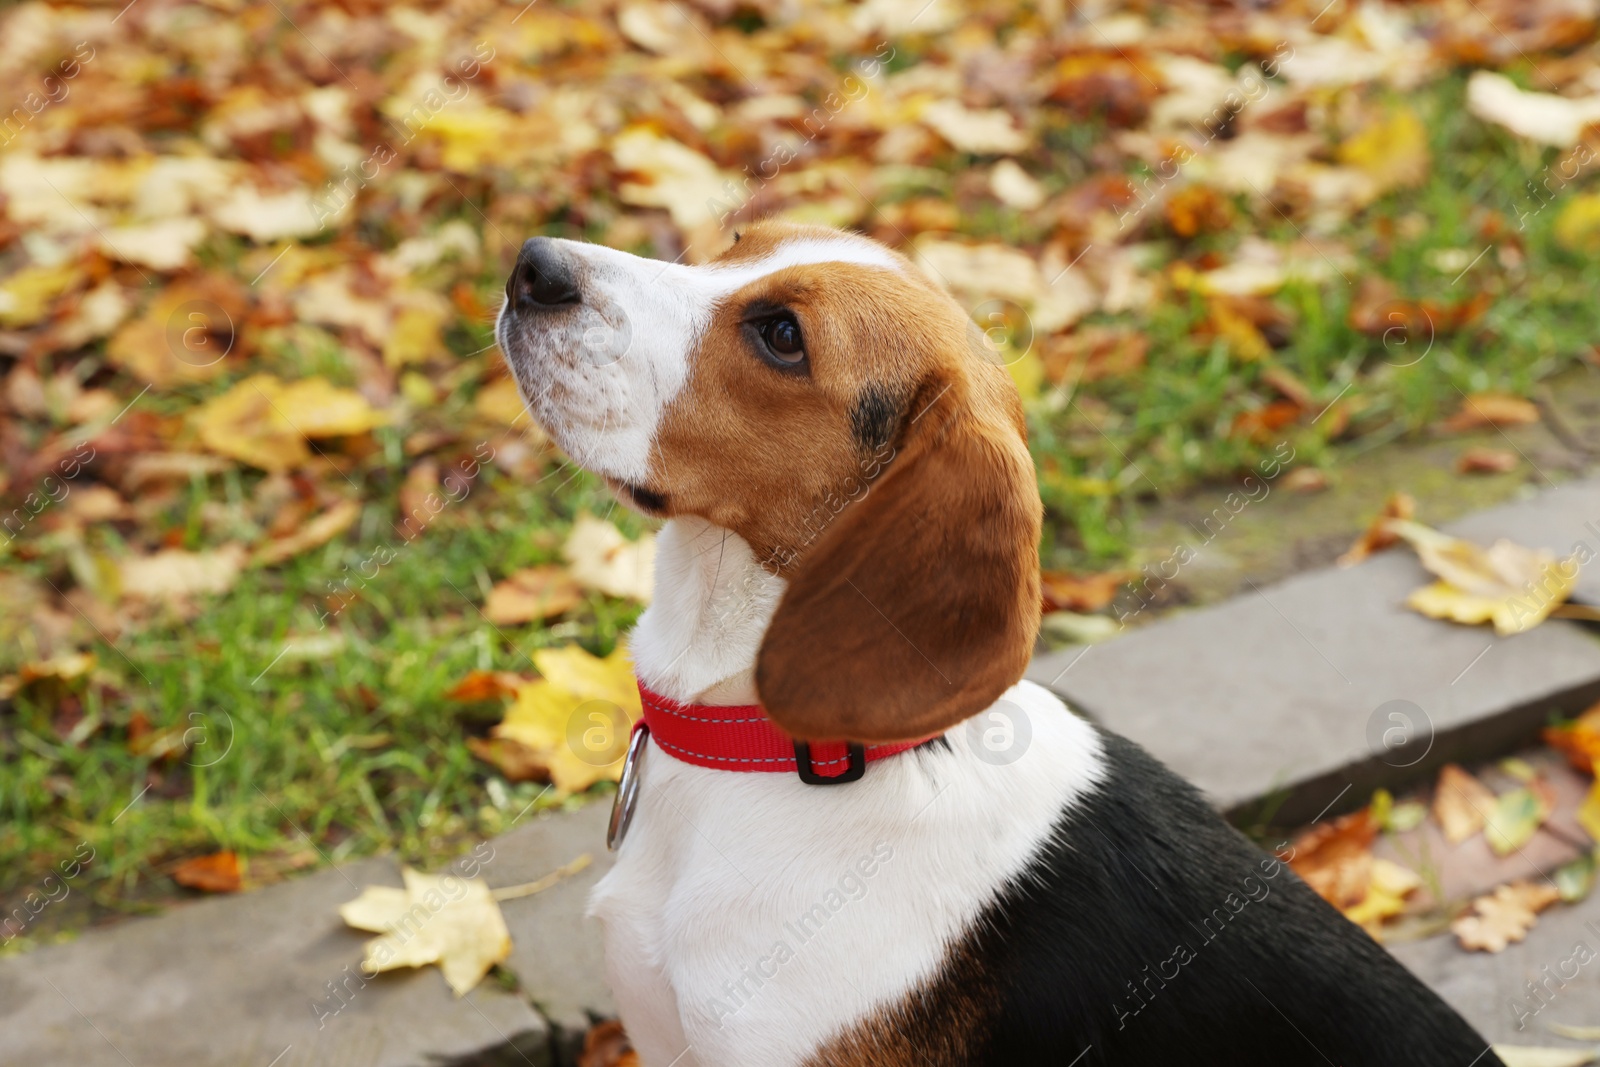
855, 766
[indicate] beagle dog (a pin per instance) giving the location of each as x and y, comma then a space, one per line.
853, 834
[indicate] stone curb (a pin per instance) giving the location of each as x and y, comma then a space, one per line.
272, 978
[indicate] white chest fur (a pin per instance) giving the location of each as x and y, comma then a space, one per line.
751, 917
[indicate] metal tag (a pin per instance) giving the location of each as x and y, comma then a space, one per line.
622, 804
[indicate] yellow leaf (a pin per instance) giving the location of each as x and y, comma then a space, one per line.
1514, 587
1392, 150
27, 296
576, 671
672, 175
443, 919
500, 401
600, 558
249, 424
1027, 372
414, 336
1577, 228
1386, 893
573, 724
317, 408
1517, 816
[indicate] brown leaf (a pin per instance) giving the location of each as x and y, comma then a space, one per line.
1094, 353
541, 592
606, 1045
1377, 536
319, 531
1482, 410
1261, 424
1504, 916
215, 873
1292, 388
1486, 461
1578, 740
1461, 803
1065, 591
486, 685
516, 761
1335, 858
1305, 480
1197, 209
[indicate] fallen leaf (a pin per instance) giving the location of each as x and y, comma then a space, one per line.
1579, 739
1385, 897
607, 1045
1486, 461
1504, 916
167, 245
668, 174
249, 423
599, 557
317, 408
1483, 410
1065, 591
444, 919
1575, 880
1377, 535
65, 667
319, 531
570, 726
1461, 803
501, 401
1305, 480
1335, 858
1393, 150
532, 593
486, 685
989, 131
1514, 587
27, 296
1517, 816
1543, 117
214, 873
173, 573
1015, 187
1577, 228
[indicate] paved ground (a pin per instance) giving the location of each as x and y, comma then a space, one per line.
1275, 692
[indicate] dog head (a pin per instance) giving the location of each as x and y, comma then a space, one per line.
814, 393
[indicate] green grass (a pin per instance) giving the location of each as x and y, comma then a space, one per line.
312, 744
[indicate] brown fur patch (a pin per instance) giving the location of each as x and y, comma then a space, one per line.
940, 1024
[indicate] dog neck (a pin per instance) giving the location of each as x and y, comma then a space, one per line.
698, 639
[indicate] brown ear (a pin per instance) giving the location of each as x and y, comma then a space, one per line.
919, 605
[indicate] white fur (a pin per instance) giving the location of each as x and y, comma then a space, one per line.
601, 380
718, 866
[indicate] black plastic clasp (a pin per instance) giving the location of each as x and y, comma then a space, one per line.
854, 768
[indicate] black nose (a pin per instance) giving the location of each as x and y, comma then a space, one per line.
543, 278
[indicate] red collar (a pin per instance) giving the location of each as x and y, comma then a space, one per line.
742, 738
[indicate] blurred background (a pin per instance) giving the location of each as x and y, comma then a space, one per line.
286, 575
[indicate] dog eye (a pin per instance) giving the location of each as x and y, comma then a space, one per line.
782, 338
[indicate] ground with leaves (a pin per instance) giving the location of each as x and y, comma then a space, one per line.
269, 497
